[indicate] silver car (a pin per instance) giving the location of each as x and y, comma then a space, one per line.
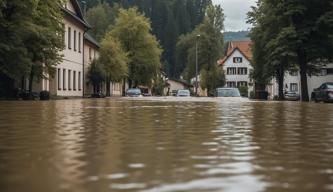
183, 93
227, 92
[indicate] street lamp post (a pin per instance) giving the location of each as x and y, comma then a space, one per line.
196, 65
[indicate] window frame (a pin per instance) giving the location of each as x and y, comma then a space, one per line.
64, 87
235, 59
74, 40
69, 82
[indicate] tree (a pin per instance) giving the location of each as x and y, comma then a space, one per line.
44, 39
15, 61
113, 60
210, 46
31, 39
169, 20
296, 32
134, 33
100, 17
272, 44
96, 75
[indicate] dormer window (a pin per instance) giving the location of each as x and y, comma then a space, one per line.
238, 60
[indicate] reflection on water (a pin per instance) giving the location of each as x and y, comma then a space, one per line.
165, 145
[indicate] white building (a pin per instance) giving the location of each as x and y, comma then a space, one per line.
292, 81
70, 79
236, 64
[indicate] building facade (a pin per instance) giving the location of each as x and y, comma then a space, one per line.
70, 78
237, 65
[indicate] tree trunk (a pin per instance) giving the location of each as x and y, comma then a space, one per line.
124, 87
129, 83
304, 80
108, 90
31, 79
280, 77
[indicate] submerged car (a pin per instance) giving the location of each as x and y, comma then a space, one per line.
134, 92
227, 92
291, 96
183, 93
323, 93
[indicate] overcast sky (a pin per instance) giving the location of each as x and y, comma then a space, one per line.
235, 11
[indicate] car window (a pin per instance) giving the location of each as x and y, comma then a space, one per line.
330, 86
228, 93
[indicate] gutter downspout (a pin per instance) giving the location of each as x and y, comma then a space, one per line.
83, 52
83, 59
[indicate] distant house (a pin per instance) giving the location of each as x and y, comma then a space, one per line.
173, 85
237, 64
292, 81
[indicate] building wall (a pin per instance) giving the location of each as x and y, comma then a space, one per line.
174, 85
236, 78
69, 73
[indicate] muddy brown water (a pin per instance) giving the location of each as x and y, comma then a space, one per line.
165, 145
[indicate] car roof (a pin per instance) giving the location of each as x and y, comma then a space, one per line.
228, 88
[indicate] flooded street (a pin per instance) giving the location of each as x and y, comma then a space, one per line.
165, 145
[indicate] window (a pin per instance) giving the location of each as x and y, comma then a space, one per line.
64, 79
329, 71
293, 73
238, 60
63, 34
231, 71
69, 80
74, 40
231, 84
242, 71
79, 81
294, 87
79, 42
90, 58
74, 80
59, 79
69, 38
242, 84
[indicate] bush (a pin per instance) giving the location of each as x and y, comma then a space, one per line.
44, 95
252, 96
244, 91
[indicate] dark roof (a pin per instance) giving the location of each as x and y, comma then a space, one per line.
91, 40
78, 15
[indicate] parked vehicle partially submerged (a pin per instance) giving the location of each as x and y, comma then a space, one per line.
323, 93
291, 96
133, 92
227, 92
183, 93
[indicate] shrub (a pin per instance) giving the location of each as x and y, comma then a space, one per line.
243, 91
44, 95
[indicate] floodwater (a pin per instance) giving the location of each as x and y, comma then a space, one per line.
165, 145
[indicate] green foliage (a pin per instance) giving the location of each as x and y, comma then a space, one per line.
96, 73
244, 91
286, 33
100, 18
169, 20
113, 59
31, 38
158, 87
134, 33
212, 79
210, 48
